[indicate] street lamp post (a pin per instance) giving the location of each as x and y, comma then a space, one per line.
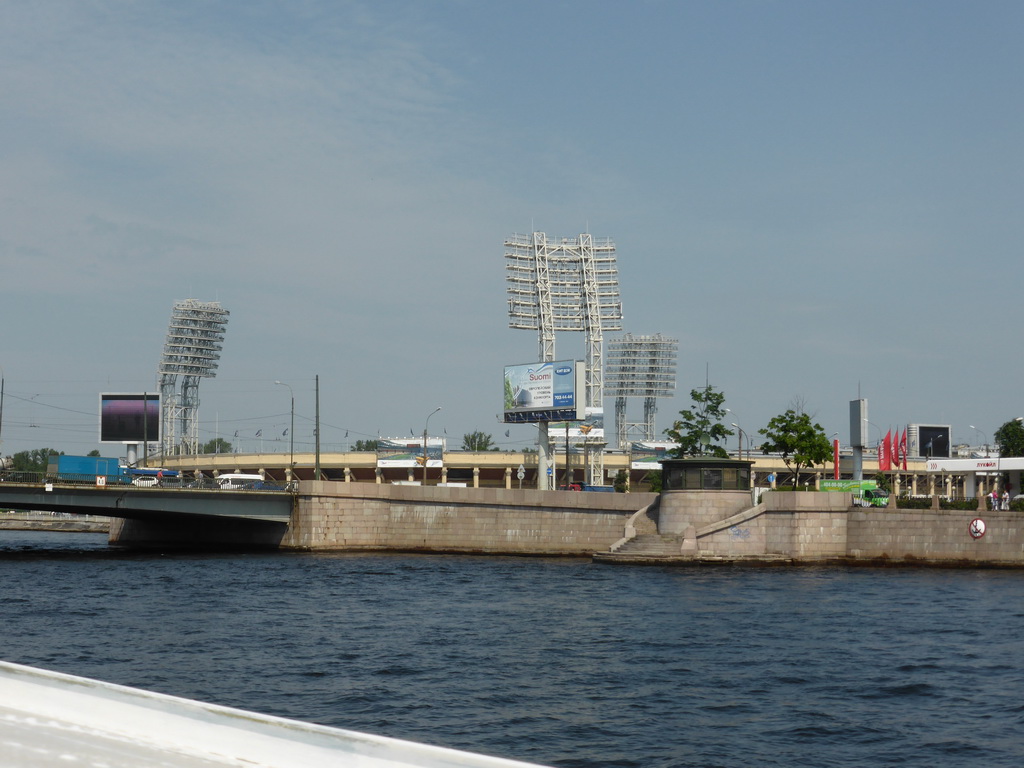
425, 425
291, 432
740, 440
983, 436
741, 434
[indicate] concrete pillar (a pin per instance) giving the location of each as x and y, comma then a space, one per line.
348, 475
444, 474
378, 475
412, 478
476, 477
508, 478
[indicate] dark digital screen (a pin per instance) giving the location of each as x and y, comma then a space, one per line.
934, 442
129, 418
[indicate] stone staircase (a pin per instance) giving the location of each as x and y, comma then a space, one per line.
651, 545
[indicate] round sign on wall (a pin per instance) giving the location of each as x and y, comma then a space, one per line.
976, 528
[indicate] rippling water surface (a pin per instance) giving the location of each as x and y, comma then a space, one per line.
556, 661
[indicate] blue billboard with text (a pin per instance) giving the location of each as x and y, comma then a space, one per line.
546, 391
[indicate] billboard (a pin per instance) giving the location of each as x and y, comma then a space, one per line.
648, 454
859, 423
408, 452
551, 391
590, 429
929, 441
129, 418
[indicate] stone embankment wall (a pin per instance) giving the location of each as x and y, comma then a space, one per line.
935, 535
822, 527
365, 516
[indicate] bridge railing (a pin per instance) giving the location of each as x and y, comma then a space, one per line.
138, 481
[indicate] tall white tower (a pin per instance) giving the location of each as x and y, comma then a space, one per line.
566, 284
195, 339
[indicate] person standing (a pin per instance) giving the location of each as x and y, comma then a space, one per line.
1006, 500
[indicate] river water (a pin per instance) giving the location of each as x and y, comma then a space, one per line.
556, 661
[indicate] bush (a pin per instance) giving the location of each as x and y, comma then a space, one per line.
909, 502
964, 504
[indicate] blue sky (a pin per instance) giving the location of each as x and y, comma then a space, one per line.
819, 200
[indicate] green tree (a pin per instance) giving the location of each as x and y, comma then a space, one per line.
1010, 438
365, 446
700, 427
620, 481
801, 442
217, 445
653, 480
34, 460
94, 452
477, 441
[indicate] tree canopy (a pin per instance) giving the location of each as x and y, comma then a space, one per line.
700, 427
367, 446
217, 445
801, 442
478, 441
1010, 438
34, 460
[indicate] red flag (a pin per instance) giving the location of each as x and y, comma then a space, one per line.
884, 452
835, 458
895, 455
903, 448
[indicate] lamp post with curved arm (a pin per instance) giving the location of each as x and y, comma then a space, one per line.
739, 440
983, 437
741, 436
425, 425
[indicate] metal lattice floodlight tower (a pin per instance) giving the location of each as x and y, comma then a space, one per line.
566, 284
195, 338
640, 366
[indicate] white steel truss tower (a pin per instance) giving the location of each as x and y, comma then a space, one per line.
640, 366
192, 350
562, 285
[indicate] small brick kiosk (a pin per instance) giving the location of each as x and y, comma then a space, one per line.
701, 490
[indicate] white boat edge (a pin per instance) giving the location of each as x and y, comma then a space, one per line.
100, 723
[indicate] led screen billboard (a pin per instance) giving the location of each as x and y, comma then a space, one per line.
550, 391
129, 418
929, 441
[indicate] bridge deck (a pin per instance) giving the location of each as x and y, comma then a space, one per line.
131, 502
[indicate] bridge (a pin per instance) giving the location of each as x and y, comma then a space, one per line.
161, 515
